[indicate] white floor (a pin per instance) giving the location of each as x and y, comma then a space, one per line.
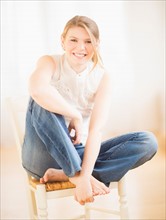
145, 189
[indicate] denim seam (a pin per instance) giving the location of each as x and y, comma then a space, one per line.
120, 148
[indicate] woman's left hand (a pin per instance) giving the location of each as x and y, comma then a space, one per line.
83, 190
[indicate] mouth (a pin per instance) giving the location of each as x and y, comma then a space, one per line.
80, 55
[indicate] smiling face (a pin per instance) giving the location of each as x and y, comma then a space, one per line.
78, 48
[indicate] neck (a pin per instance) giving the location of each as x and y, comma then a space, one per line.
77, 68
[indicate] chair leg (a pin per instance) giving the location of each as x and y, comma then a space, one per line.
31, 199
87, 211
41, 200
123, 199
32, 205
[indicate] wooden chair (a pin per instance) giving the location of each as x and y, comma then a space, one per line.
38, 193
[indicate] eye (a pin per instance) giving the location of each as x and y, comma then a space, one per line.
88, 42
73, 40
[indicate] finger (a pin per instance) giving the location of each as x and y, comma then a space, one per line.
77, 138
82, 202
91, 199
76, 141
77, 135
69, 129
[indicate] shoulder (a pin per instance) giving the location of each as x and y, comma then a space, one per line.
99, 75
46, 62
105, 83
106, 78
102, 73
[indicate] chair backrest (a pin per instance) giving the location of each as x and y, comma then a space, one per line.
17, 109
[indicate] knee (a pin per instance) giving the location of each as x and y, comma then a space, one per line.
149, 142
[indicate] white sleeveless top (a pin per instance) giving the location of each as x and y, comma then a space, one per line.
77, 89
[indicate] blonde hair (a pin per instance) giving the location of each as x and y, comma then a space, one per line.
91, 27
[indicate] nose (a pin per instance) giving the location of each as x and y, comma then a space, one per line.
81, 45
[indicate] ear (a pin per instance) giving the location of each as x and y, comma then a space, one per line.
97, 43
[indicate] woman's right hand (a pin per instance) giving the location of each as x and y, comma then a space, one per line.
75, 129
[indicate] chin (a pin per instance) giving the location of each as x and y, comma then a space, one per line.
82, 60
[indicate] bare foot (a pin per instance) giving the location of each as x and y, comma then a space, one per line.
52, 175
98, 187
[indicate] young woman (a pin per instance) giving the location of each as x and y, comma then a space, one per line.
69, 104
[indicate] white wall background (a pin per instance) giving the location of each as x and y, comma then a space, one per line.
132, 47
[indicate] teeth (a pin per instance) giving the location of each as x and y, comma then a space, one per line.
79, 54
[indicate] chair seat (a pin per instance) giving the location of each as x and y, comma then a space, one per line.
52, 186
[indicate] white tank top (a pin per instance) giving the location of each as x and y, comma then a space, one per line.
77, 89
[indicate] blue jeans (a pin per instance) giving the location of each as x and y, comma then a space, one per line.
47, 144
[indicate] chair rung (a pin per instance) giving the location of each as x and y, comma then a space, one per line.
114, 212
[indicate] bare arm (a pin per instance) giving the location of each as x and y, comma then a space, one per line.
98, 118
45, 94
